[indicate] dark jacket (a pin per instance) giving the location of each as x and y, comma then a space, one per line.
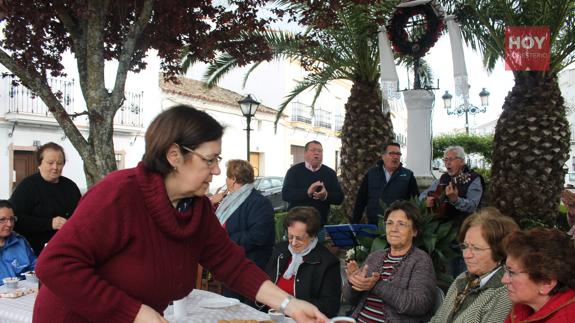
251, 226
408, 296
375, 189
318, 279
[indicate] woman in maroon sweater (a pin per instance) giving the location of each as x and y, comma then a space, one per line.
136, 238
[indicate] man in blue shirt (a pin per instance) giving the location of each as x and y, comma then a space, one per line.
16, 255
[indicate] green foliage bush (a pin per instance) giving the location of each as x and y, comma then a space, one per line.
482, 145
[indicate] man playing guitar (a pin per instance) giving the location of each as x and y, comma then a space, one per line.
463, 189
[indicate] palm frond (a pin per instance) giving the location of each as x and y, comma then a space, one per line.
222, 65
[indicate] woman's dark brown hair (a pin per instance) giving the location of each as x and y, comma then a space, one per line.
306, 215
183, 125
411, 212
49, 145
240, 170
545, 254
494, 227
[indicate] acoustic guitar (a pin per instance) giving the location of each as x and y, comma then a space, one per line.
441, 201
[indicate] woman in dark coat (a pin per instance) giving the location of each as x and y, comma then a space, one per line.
303, 267
247, 216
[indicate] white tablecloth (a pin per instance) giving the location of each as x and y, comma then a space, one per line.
197, 314
17, 310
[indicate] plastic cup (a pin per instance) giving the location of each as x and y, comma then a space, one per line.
11, 282
276, 316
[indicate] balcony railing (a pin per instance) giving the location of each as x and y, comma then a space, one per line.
322, 118
300, 112
23, 101
130, 113
338, 122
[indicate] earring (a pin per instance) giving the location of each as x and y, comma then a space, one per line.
175, 168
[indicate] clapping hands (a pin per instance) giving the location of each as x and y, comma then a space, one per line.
359, 278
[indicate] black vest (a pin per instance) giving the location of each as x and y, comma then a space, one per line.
451, 212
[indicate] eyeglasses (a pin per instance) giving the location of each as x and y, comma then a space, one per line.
473, 249
211, 162
512, 273
11, 219
450, 159
401, 224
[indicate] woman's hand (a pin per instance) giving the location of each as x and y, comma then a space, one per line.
302, 311
361, 281
147, 314
58, 222
218, 197
351, 268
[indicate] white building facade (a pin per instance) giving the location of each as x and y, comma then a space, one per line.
25, 122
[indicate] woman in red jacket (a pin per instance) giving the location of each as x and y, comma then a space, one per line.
539, 276
137, 236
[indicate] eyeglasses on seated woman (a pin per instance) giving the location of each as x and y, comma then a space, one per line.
396, 284
478, 295
540, 276
303, 266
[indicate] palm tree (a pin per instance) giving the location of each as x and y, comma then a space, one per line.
531, 142
346, 50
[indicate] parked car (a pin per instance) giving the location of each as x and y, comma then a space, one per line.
271, 188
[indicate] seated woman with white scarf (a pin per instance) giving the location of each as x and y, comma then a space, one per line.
247, 216
303, 267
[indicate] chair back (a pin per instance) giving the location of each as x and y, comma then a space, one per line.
438, 301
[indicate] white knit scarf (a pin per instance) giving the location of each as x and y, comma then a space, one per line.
297, 258
232, 202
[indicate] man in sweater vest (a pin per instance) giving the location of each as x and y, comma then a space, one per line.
463, 190
311, 183
386, 182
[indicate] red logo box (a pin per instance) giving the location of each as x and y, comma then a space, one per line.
527, 48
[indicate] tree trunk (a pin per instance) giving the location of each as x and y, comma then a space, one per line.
530, 147
100, 149
365, 131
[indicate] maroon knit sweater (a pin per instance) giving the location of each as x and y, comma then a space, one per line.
126, 246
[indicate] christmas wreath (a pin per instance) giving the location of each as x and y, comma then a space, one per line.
433, 26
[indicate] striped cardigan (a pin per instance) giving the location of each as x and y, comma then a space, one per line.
489, 304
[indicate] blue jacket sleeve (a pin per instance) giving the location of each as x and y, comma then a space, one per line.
260, 230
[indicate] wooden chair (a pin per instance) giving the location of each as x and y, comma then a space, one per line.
205, 281
201, 283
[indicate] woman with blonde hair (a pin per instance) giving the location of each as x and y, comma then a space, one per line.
247, 216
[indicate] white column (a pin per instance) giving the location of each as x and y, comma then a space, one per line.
419, 105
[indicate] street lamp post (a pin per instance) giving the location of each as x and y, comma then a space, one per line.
249, 106
466, 108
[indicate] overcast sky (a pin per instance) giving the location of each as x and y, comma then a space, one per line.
498, 83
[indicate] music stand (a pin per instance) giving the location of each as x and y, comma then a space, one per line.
346, 235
